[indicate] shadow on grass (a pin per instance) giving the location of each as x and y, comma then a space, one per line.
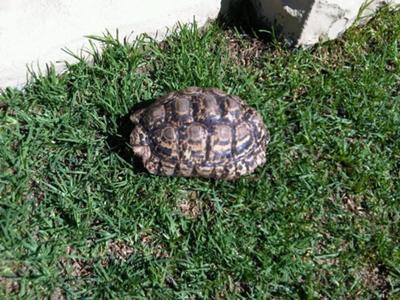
242, 16
119, 142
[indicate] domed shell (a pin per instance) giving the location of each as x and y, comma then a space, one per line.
199, 132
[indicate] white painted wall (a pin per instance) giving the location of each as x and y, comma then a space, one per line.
32, 32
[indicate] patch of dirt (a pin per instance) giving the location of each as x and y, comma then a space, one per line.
374, 278
146, 239
192, 205
159, 252
79, 267
157, 249
334, 56
9, 285
120, 250
57, 294
353, 204
234, 287
331, 259
190, 209
241, 288
244, 49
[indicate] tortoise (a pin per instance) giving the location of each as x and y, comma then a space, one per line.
201, 132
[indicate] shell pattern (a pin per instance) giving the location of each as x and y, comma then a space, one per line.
199, 132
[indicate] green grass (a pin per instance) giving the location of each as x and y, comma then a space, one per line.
80, 218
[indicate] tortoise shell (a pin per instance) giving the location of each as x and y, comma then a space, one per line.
199, 132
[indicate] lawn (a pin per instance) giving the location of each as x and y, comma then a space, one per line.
81, 218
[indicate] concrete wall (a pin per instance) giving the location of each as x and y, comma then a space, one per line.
329, 19
32, 32
306, 22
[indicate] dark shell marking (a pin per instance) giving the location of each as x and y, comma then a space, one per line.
199, 132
